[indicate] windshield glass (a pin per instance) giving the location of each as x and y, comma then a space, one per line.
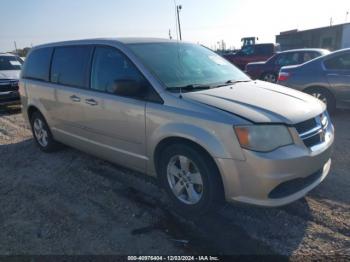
9, 63
181, 64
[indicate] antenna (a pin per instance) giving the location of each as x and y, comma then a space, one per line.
346, 16
177, 40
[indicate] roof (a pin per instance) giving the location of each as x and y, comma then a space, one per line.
122, 40
296, 31
305, 49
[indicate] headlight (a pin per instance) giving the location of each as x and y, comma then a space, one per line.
263, 138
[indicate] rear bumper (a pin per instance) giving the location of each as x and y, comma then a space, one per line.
276, 178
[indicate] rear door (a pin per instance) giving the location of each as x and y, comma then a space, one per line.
338, 74
69, 77
115, 123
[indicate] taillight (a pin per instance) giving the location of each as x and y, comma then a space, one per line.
283, 76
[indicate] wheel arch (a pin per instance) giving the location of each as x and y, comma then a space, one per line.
317, 87
321, 87
164, 143
30, 111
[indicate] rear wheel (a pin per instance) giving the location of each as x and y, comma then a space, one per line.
42, 133
191, 179
325, 96
269, 77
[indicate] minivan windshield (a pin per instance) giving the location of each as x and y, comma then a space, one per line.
9, 63
183, 65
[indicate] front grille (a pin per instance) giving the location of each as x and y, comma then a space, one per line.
312, 131
8, 85
292, 186
306, 125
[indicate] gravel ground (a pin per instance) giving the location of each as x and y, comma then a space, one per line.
71, 203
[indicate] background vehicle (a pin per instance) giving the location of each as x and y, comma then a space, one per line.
268, 71
10, 68
326, 77
251, 53
181, 113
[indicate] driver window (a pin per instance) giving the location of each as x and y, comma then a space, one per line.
110, 68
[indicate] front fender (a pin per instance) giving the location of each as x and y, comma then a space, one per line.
211, 141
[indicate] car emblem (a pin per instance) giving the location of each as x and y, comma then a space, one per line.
323, 136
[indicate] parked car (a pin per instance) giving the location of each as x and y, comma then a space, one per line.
268, 71
251, 53
10, 67
181, 113
326, 78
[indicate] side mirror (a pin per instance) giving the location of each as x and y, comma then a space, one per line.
127, 87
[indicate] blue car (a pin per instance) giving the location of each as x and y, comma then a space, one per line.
326, 77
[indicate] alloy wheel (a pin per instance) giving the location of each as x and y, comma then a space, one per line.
270, 78
40, 132
185, 180
320, 96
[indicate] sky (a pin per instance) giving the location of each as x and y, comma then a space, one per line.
33, 22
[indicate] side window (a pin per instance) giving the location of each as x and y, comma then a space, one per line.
70, 65
288, 59
341, 62
307, 56
37, 65
112, 72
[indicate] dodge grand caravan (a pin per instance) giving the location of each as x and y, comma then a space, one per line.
181, 113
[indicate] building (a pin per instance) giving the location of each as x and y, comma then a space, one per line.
332, 37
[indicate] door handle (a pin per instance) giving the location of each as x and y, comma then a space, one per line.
91, 102
75, 98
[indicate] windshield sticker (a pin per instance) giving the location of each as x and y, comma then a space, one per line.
218, 60
15, 63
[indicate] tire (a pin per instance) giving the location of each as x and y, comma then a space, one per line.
325, 96
42, 134
269, 77
201, 190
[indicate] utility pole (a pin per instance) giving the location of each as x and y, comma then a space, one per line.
16, 47
346, 16
178, 8
170, 37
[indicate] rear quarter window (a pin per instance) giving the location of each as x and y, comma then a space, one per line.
70, 65
37, 65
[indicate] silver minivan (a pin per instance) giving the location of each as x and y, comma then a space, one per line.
181, 113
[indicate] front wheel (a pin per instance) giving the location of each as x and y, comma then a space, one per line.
270, 77
191, 179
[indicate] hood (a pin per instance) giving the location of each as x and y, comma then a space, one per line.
10, 74
261, 102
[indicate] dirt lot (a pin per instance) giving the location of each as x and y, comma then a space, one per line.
71, 203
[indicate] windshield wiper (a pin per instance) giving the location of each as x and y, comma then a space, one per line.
232, 82
191, 87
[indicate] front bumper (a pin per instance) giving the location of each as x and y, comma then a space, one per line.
276, 178
9, 98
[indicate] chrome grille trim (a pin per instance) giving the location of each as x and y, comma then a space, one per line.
315, 135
